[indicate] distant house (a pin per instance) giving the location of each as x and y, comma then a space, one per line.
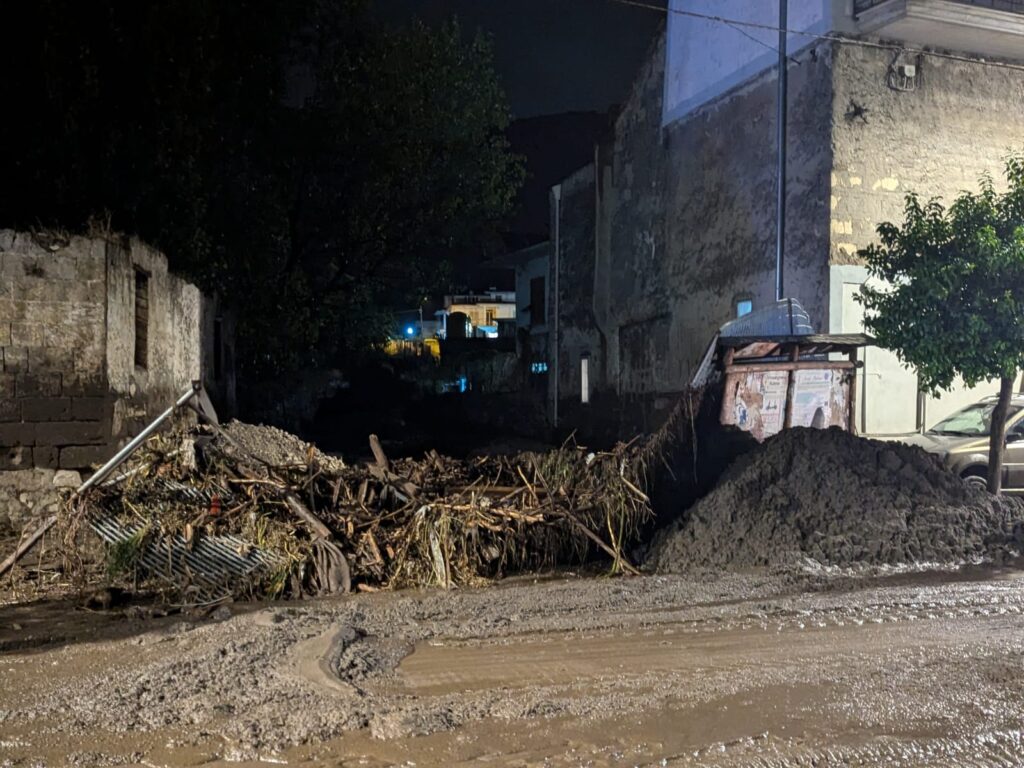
479, 315
670, 232
96, 339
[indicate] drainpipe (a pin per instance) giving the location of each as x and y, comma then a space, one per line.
557, 192
780, 226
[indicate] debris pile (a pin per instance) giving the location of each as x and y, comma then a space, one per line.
839, 500
253, 511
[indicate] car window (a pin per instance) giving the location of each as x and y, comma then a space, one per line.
972, 421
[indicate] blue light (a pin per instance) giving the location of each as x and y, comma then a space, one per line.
410, 331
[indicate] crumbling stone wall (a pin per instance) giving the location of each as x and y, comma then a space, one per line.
71, 388
139, 393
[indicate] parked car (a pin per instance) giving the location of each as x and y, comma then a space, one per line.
962, 442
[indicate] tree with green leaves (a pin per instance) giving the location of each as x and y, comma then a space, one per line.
951, 296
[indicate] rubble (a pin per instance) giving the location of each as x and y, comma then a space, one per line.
278, 448
826, 497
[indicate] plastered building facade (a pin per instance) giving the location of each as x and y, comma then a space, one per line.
674, 224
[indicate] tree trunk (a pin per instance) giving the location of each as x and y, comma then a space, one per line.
997, 439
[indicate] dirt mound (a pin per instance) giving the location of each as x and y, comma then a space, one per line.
279, 448
840, 500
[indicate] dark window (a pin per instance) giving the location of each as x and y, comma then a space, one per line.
537, 313
141, 318
218, 349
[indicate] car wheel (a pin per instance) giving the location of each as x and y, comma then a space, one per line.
975, 479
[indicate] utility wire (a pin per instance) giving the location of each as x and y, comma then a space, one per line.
737, 24
769, 46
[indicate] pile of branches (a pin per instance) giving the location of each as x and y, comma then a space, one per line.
321, 527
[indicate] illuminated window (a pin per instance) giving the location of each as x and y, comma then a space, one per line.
584, 380
744, 307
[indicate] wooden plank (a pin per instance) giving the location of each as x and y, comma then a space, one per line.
824, 365
26, 545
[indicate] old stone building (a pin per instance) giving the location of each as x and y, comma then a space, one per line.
672, 229
96, 339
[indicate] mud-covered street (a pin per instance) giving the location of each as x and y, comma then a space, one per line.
913, 669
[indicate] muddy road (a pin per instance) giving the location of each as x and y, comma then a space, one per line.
755, 670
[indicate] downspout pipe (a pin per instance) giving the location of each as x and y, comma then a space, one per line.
556, 191
780, 224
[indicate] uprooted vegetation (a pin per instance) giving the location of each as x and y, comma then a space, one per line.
251, 511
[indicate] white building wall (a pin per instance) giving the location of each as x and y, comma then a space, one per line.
706, 58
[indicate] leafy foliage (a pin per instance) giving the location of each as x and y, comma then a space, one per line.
312, 167
952, 303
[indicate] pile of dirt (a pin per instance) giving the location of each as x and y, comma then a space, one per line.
280, 449
838, 500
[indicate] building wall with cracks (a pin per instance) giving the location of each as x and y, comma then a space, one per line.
675, 222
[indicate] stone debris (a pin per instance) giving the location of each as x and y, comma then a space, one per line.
813, 497
280, 449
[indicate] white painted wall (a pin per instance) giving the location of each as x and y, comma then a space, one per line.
706, 58
887, 390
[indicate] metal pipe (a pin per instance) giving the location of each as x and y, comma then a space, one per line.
557, 192
780, 225
129, 449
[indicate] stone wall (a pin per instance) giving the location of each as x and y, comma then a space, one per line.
72, 389
174, 336
692, 218
54, 405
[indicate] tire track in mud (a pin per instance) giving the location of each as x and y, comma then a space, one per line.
996, 749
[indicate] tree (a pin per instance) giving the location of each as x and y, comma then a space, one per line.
952, 297
313, 167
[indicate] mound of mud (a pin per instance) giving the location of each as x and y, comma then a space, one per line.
840, 500
279, 448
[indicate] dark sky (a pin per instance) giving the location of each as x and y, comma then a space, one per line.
553, 55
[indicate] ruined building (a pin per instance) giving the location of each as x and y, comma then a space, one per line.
670, 232
96, 339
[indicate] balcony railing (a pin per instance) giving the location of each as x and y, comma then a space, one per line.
1011, 6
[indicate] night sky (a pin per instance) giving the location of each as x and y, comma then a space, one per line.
553, 55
